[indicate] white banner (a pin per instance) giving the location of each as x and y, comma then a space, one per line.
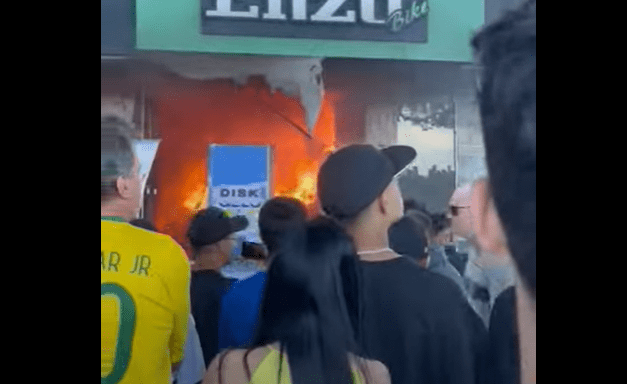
118, 106
146, 151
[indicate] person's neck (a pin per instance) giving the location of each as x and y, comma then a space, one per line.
115, 211
209, 262
373, 241
526, 318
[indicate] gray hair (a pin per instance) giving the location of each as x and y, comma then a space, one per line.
117, 154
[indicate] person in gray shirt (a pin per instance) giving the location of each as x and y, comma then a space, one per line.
461, 225
439, 263
485, 276
438, 259
435, 260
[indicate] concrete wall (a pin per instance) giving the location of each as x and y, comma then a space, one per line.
381, 125
470, 151
374, 92
495, 8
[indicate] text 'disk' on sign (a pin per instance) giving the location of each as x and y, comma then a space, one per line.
238, 197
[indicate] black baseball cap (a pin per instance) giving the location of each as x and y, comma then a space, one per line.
354, 176
212, 225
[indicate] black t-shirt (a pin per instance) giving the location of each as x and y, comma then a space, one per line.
206, 291
420, 326
504, 354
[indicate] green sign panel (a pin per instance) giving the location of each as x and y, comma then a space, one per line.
418, 30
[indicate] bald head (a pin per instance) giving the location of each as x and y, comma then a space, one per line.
459, 212
461, 196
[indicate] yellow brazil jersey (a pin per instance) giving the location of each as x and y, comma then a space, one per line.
144, 304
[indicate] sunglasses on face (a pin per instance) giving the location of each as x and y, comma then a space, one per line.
455, 209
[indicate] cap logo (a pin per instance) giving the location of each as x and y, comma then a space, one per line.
226, 215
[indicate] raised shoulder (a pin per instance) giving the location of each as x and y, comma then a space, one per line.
380, 373
230, 365
377, 372
217, 370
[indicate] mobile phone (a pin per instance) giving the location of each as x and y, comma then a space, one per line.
252, 250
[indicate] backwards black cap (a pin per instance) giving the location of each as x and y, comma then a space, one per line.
354, 176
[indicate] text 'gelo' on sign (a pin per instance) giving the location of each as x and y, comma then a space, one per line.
370, 20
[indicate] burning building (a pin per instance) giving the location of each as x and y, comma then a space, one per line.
262, 87
192, 117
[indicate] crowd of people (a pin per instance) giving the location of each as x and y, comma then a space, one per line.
374, 290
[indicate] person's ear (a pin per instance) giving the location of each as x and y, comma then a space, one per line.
387, 198
382, 203
224, 245
486, 223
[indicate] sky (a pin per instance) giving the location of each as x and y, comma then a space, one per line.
435, 146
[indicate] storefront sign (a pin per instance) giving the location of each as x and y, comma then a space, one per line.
438, 30
370, 20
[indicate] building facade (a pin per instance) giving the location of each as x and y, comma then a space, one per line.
301, 80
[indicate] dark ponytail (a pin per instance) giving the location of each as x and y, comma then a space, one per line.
311, 305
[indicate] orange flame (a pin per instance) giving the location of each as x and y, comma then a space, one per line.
305, 191
303, 186
197, 200
192, 115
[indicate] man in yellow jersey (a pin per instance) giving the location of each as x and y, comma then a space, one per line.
144, 276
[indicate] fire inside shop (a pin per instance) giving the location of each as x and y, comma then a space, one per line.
191, 119
190, 115
254, 82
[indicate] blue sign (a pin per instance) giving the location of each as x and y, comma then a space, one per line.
233, 165
239, 181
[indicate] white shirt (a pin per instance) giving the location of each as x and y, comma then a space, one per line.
192, 368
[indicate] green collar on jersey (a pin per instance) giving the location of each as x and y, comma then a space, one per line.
112, 218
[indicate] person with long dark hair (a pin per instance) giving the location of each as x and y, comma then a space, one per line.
239, 312
309, 319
